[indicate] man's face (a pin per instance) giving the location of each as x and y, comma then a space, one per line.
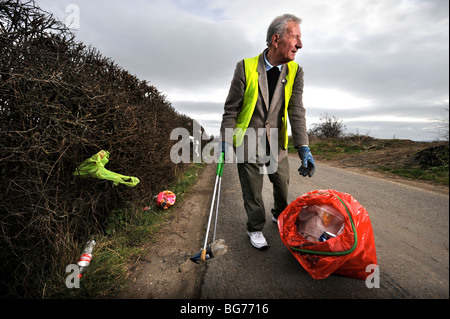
289, 43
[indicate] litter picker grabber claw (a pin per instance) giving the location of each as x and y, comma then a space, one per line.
218, 182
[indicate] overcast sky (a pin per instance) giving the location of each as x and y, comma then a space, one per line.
381, 66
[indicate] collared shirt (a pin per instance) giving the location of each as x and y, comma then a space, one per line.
268, 65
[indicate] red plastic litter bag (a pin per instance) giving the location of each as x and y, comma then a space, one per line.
165, 199
347, 247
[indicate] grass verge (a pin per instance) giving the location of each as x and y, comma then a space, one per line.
435, 174
427, 161
127, 231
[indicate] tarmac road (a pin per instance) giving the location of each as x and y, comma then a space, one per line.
411, 228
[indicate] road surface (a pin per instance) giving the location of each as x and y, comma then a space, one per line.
411, 228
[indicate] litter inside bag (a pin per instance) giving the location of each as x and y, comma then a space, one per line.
314, 220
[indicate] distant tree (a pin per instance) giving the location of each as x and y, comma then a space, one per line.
330, 127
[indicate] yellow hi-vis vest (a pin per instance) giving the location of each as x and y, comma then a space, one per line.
251, 96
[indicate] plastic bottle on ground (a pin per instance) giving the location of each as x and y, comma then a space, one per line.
86, 256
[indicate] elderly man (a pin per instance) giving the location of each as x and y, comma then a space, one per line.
263, 92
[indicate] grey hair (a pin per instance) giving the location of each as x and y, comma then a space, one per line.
278, 26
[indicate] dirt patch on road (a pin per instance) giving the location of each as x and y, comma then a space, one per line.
165, 271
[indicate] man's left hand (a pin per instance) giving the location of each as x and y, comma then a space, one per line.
308, 166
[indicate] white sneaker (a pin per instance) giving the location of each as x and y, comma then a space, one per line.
257, 240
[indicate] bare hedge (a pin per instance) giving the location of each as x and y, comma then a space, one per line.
60, 103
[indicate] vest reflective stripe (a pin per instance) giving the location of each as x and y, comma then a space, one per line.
292, 72
251, 97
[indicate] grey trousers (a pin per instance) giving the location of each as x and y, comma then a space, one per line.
252, 182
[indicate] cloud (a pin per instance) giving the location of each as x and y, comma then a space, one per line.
361, 58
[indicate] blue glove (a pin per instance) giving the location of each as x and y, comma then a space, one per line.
308, 166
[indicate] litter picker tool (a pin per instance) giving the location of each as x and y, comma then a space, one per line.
217, 247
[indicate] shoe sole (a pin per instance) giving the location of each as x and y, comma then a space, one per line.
260, 248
